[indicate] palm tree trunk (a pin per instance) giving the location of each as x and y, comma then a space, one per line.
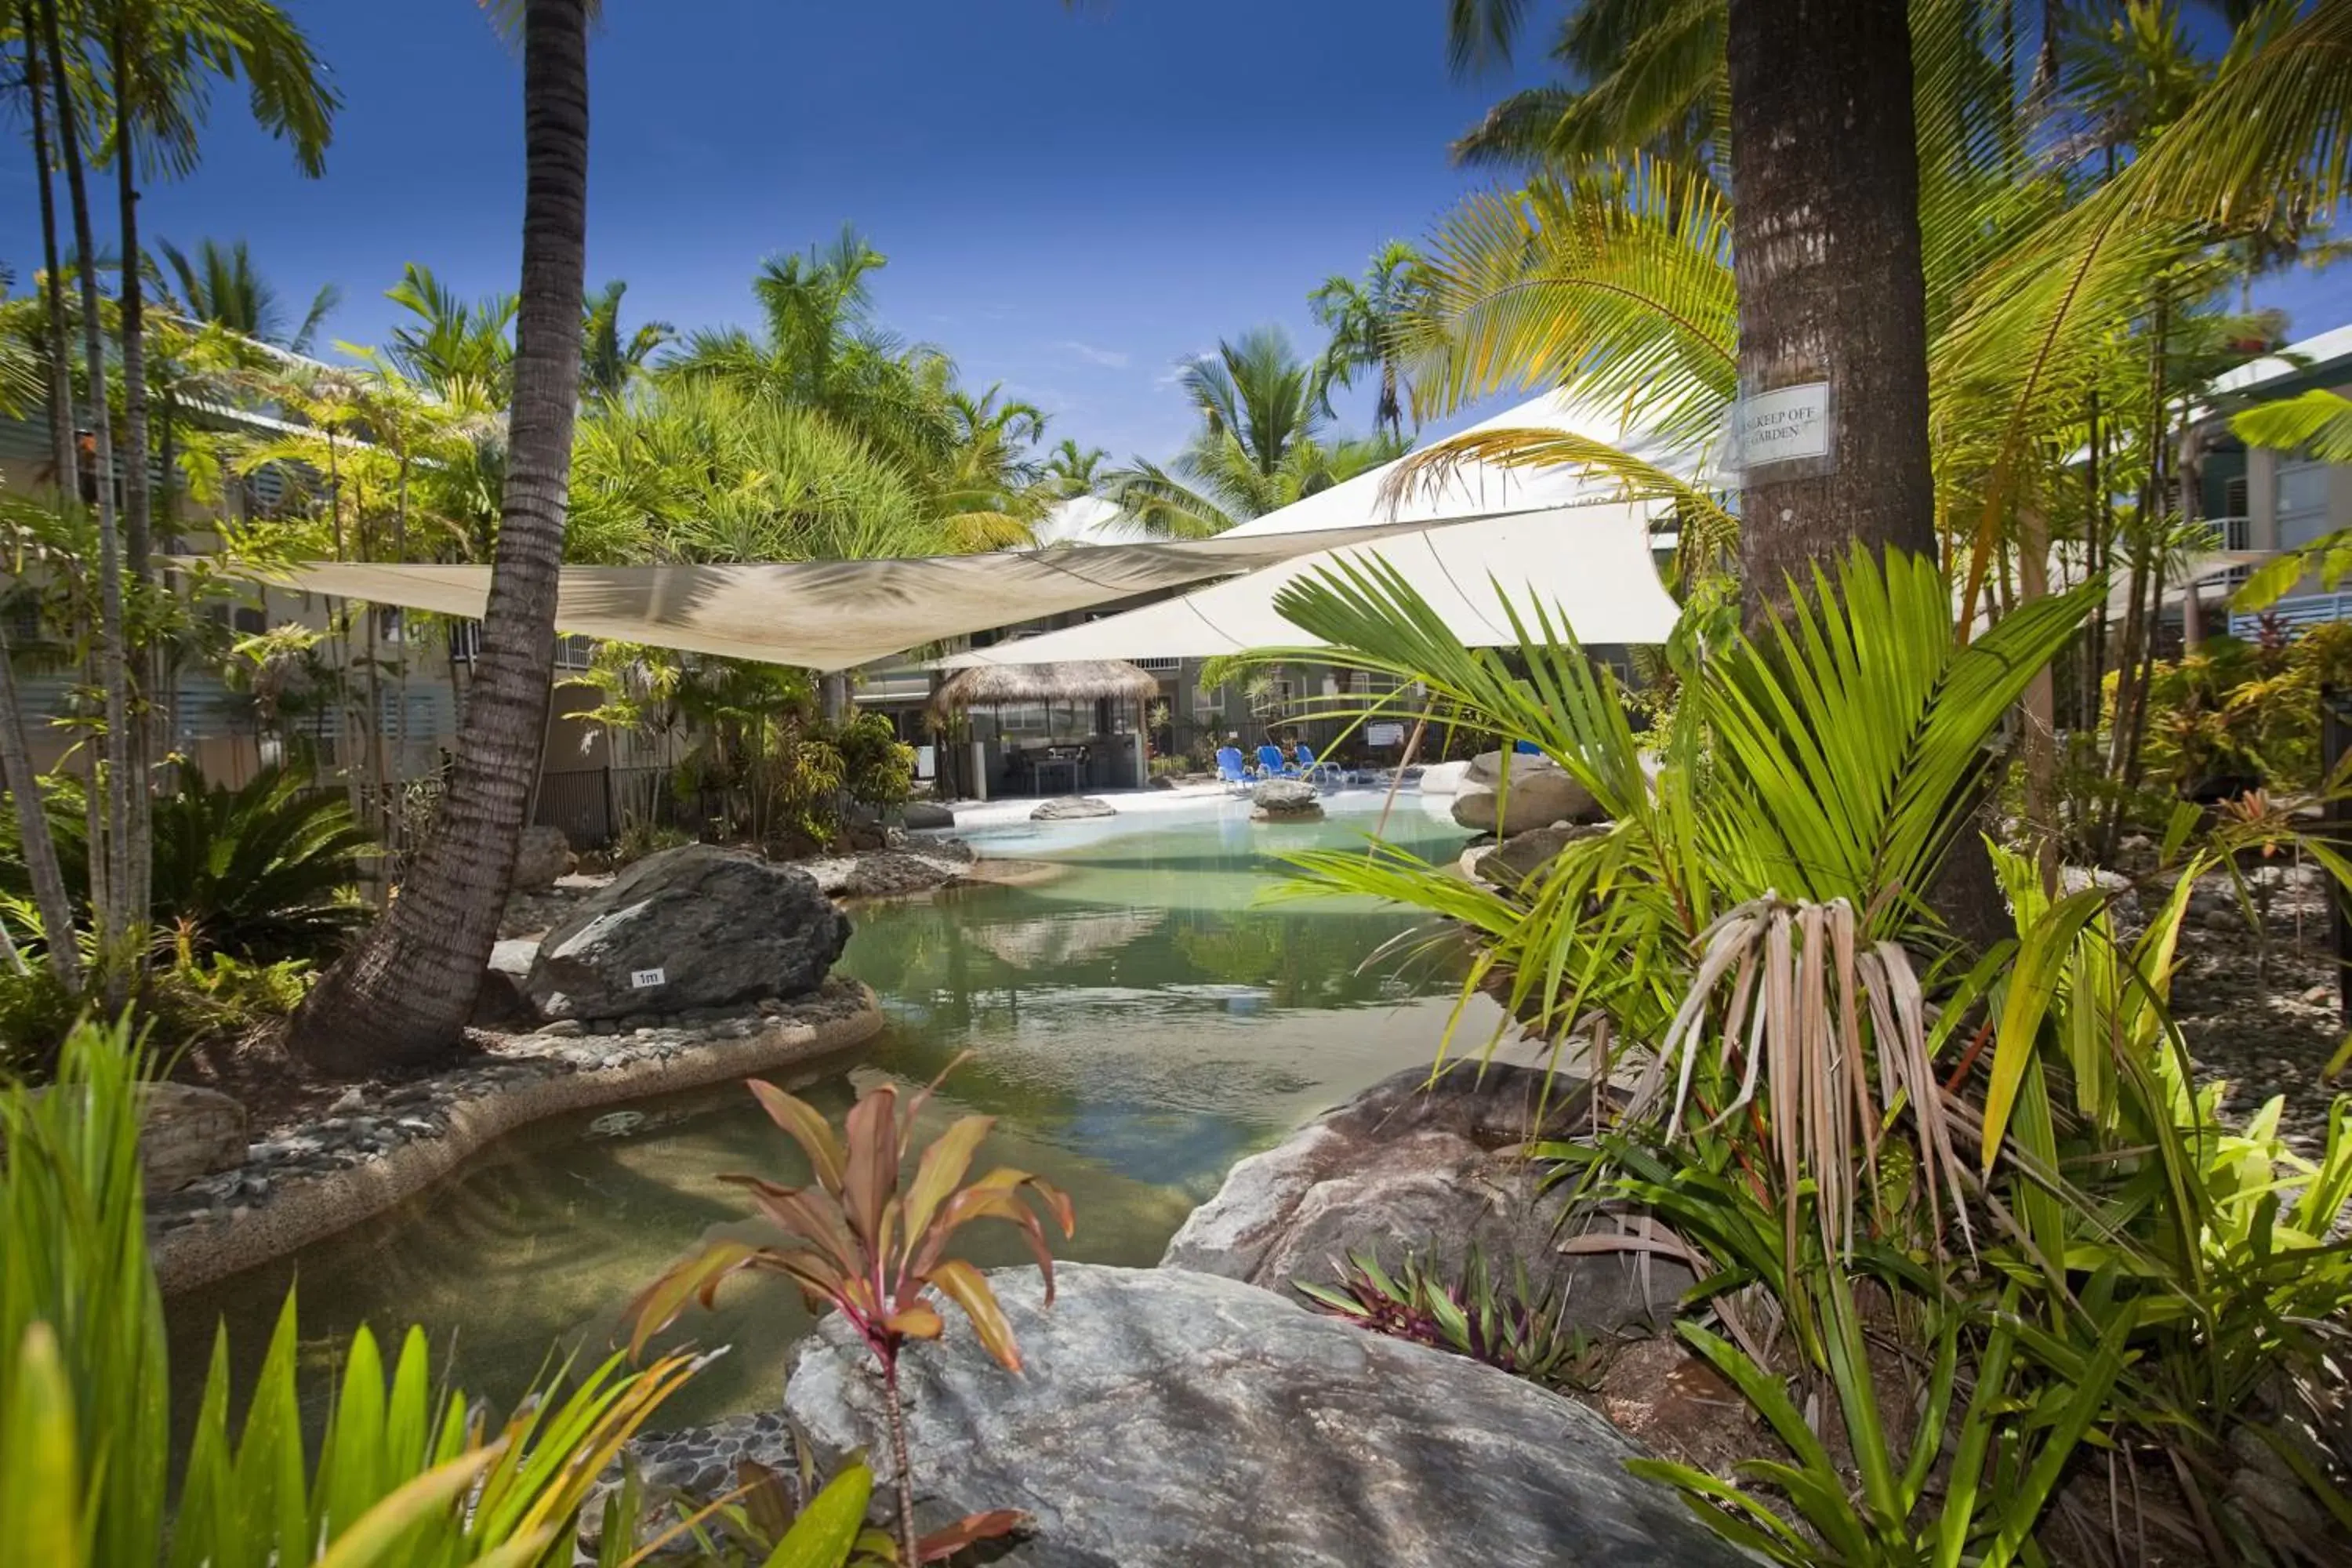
53, 287
112, 914
50, 896
1826, 242
137, 749
403, 995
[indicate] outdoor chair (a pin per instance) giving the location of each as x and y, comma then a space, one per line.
1270, 762
1231, 768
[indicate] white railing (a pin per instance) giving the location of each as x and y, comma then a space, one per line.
2303, 610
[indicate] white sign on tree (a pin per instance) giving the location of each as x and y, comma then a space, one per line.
1783, 425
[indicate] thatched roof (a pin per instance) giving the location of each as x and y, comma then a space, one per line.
1082, 680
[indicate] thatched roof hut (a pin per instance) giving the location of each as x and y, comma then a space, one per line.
1083, 680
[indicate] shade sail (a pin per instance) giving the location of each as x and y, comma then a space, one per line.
1483, 489
1589, 565
820, 614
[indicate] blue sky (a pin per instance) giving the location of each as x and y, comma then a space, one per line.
1072, 203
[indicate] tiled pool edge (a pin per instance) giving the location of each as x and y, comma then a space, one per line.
313, 1207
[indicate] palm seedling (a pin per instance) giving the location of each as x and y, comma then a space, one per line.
874, 1248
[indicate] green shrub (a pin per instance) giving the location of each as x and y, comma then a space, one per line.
407, 1472
878, 769
265, 872
1963, 1203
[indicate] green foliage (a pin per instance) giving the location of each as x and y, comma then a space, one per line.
2250, 710
262, 872
873, 1248
1892, 1162
1501, 1322
878, 769
406, 1473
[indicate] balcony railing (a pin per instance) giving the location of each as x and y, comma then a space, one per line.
2303, 610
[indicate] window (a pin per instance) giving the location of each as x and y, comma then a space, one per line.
2302, 502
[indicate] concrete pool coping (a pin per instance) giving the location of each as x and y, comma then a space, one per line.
310, 1208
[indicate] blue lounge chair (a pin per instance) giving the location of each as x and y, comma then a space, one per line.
1231, 768
1270, 762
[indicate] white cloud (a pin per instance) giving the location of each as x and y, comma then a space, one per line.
1112, 358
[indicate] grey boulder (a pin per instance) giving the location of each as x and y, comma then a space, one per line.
692, 927
1285, 800
1541, 793
921, 814
1069, 807
1521, 856
186, 1131
544, 855
1164, 1417
1406, 1168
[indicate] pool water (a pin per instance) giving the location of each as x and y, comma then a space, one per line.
1135, 1025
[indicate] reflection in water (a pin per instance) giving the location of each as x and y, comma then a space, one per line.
1135, 1028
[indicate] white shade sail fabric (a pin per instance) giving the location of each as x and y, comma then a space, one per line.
1590, 566
818, 615
1591, 561
1483, 489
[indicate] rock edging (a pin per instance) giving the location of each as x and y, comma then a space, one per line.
431, 1139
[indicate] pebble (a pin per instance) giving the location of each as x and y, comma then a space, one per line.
367, 1122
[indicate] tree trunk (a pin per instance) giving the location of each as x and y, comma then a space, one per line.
1826, 246
112, 914
53, 286
405, 994
1825, 240
138, 740
49, 895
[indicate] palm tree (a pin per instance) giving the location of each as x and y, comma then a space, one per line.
110, 874
49, 895
454, 347
1071, 469
608, 364
404, 994
1641, 75
220, 284
1365, 318
1262, 411
162, 63
820, 348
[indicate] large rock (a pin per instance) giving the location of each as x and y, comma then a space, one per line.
1433, 1172
1541, 793
1068, 807
1285, 800
545, 854
1521, 856
720, 926
919, 813
1165, 1417
186, 1132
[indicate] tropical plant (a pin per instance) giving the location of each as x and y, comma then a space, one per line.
220, 284
1366, 319
1502, 1322
403, 1473
873, 1246
1264, 411
608, 363
263, 871
404, 992
450, 345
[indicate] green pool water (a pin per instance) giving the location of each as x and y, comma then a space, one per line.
1137, 1025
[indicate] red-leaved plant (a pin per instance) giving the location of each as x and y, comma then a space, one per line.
856, 1240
